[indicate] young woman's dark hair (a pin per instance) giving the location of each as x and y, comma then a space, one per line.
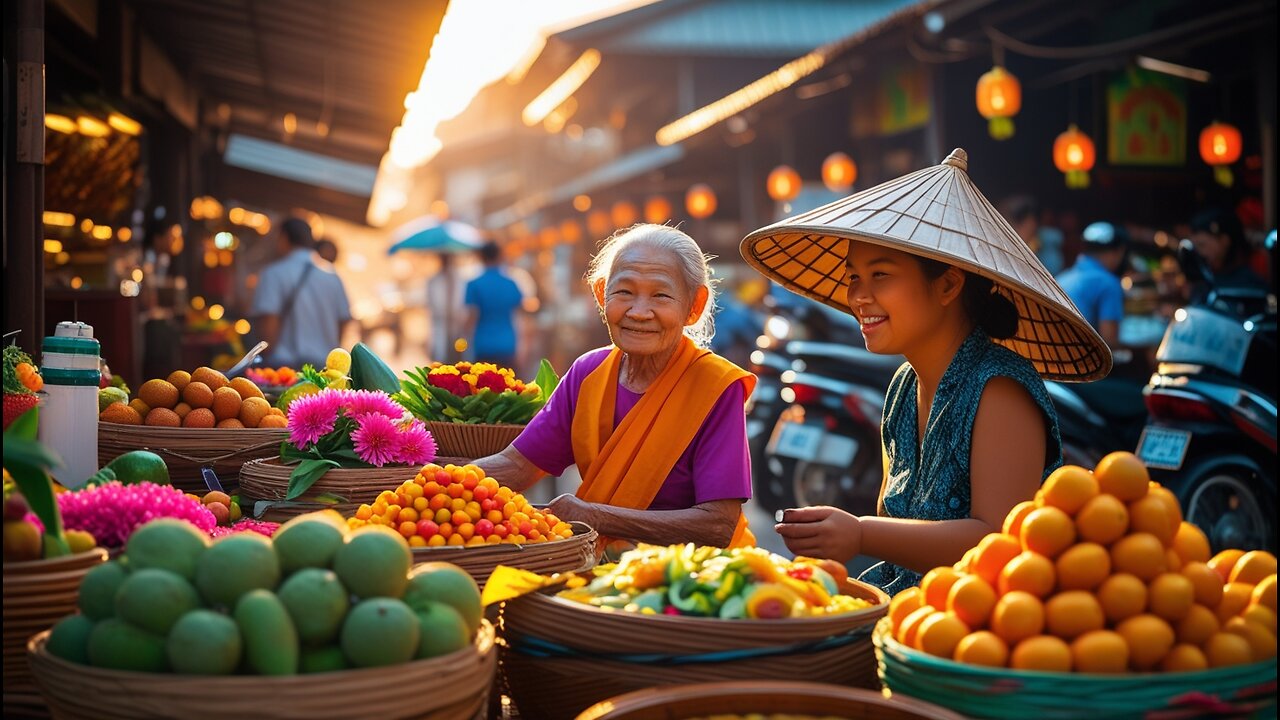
989, 310
298, 232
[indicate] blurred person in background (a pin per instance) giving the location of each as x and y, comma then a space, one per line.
1023, 214
1219, 239
326, 249
300, 302
1093, 282
492, 301
738, 323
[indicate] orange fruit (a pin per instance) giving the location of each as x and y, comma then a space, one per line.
1235, 598
962, 565
1073, 613
1042, 652
1191, 544
1150, 515
1197, 626
940, 633
1184, 658
226, 403
1082, 566
163, 417
1048, 531
121, 414
1122, 596
1149, 638
1100, 651
1013, 521
1139, 554
992, 553
1068, 488
911, 625
199, 418
1260, 614
1253, 567
1224, 649
1224, 562
1103, 520
982, 648
246, 388
937, 585
252, 410
210, 377
158, 394
1207, 583
1264, 593
231, 423
179, 379
903, 604
1172, 561
182, 409
144, 408
1262, 642
1029, 572
1171, 596
273, 421
1122, 474
1018, 615
1170, 500
197, 395
971, 600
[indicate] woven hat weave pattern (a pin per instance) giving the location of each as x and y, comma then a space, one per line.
936, 213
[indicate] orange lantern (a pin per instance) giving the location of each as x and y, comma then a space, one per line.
700, 201
999, 98
570, 231
623, 214
547, 237
783, 183
1220, 146
839, 172
657, 210
1074, 154
598, 223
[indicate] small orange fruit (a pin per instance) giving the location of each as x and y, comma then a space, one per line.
210, 377
1018, 615
1260, 614
940, 633
1172, 561
1122, 596
1073, 613
937, 585
1184, 658
182, 409
1224, 649
1013, 521
158, 394
992, 553
197, 395
144, 408
1045, 653
1122, 474
1149, 638
1235, 598
231, 423
1100, 651
163, 417
1138, 554
971, 600
179, 379
1224, 562
903, 604
226, 403
1103, 520
982, 648
252, 410
1048, 531
1082, 566
1264, 593
273, 421
1197, 626
1207, 583
1150, 515
121, 414
1253, 567
199, 418
1030, 572
1171, 596
246, 388
1068, 488
1262, 642
1191, 544
1170, 501
911, 625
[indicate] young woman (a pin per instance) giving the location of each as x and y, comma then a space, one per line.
968, 429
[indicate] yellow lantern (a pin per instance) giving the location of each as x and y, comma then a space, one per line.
623, 214
783, 183
1220, 146
839, 172
657, 210
999, 98
700, 201
1074, 154
598, 223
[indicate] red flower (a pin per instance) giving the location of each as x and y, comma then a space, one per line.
448, 381
492, 380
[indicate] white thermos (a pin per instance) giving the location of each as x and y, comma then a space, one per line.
69, 416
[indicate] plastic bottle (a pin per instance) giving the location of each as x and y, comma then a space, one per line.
69, 416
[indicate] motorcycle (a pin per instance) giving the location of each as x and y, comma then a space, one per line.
1211, 432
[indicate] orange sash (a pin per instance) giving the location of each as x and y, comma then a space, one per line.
628, 467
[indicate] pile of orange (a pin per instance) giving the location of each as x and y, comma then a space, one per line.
201, 399
1099, 574
459, 505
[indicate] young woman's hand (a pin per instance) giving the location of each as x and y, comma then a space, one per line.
821, 532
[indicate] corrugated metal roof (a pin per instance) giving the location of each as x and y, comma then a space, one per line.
293, 164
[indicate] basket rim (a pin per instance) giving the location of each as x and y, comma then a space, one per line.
17, 567
127, 429
274, 461
451, 424
582, 533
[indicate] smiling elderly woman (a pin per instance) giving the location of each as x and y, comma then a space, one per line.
655, 422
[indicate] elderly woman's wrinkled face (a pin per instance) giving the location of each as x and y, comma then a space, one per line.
646, 304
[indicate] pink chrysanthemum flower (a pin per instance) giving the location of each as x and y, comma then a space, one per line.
417, 446
360, 402
376, 439
311, 417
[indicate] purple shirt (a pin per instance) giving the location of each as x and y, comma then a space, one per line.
715, 466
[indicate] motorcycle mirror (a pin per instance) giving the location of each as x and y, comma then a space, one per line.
1193, 266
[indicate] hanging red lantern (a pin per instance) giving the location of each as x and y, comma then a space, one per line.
839, 172
1074, 154
1220, 146
783, 183
700, 201
657, 210
623, 214
999, 98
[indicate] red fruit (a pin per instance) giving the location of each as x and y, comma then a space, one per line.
500, 530
526, 528
484, 528
489, 504
15, 508
480, 494
427, 528
470, 484
15, 404
444, 478
220, 512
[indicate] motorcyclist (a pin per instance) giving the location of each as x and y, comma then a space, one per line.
1093, 282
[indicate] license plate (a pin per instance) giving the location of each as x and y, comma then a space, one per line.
1163, 448
813, 444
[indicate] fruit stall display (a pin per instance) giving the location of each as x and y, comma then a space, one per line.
22, 383
318, 620
1094, 597
665, 616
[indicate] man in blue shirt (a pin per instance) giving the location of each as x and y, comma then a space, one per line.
492, 300
1093, 283
300, 302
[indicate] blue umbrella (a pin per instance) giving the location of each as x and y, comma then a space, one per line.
430, 234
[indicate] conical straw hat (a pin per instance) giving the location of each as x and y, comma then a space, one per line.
937, 213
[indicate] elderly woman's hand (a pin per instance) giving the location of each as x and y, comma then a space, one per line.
570, 508
821, 532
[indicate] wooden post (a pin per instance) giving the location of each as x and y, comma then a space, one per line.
24, 174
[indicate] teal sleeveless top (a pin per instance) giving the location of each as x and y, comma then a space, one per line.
930, 480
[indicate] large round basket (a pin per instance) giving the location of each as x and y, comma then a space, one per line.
472, 441
700, 700
451, 687
266, 482
186, 450
982, 692
37, 594
561, 657
569, 555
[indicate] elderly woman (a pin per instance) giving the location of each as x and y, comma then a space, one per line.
655, 422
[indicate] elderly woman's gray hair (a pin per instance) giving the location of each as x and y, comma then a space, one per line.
692, 266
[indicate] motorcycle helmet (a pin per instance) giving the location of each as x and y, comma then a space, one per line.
1105, 235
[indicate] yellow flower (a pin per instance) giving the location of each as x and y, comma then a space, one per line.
445, 370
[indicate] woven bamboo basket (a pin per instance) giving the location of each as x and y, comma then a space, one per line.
451, 687
186, 450
266, 480
982, 692
699, 700
37, 594
561, 657
472, 441
569, 555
